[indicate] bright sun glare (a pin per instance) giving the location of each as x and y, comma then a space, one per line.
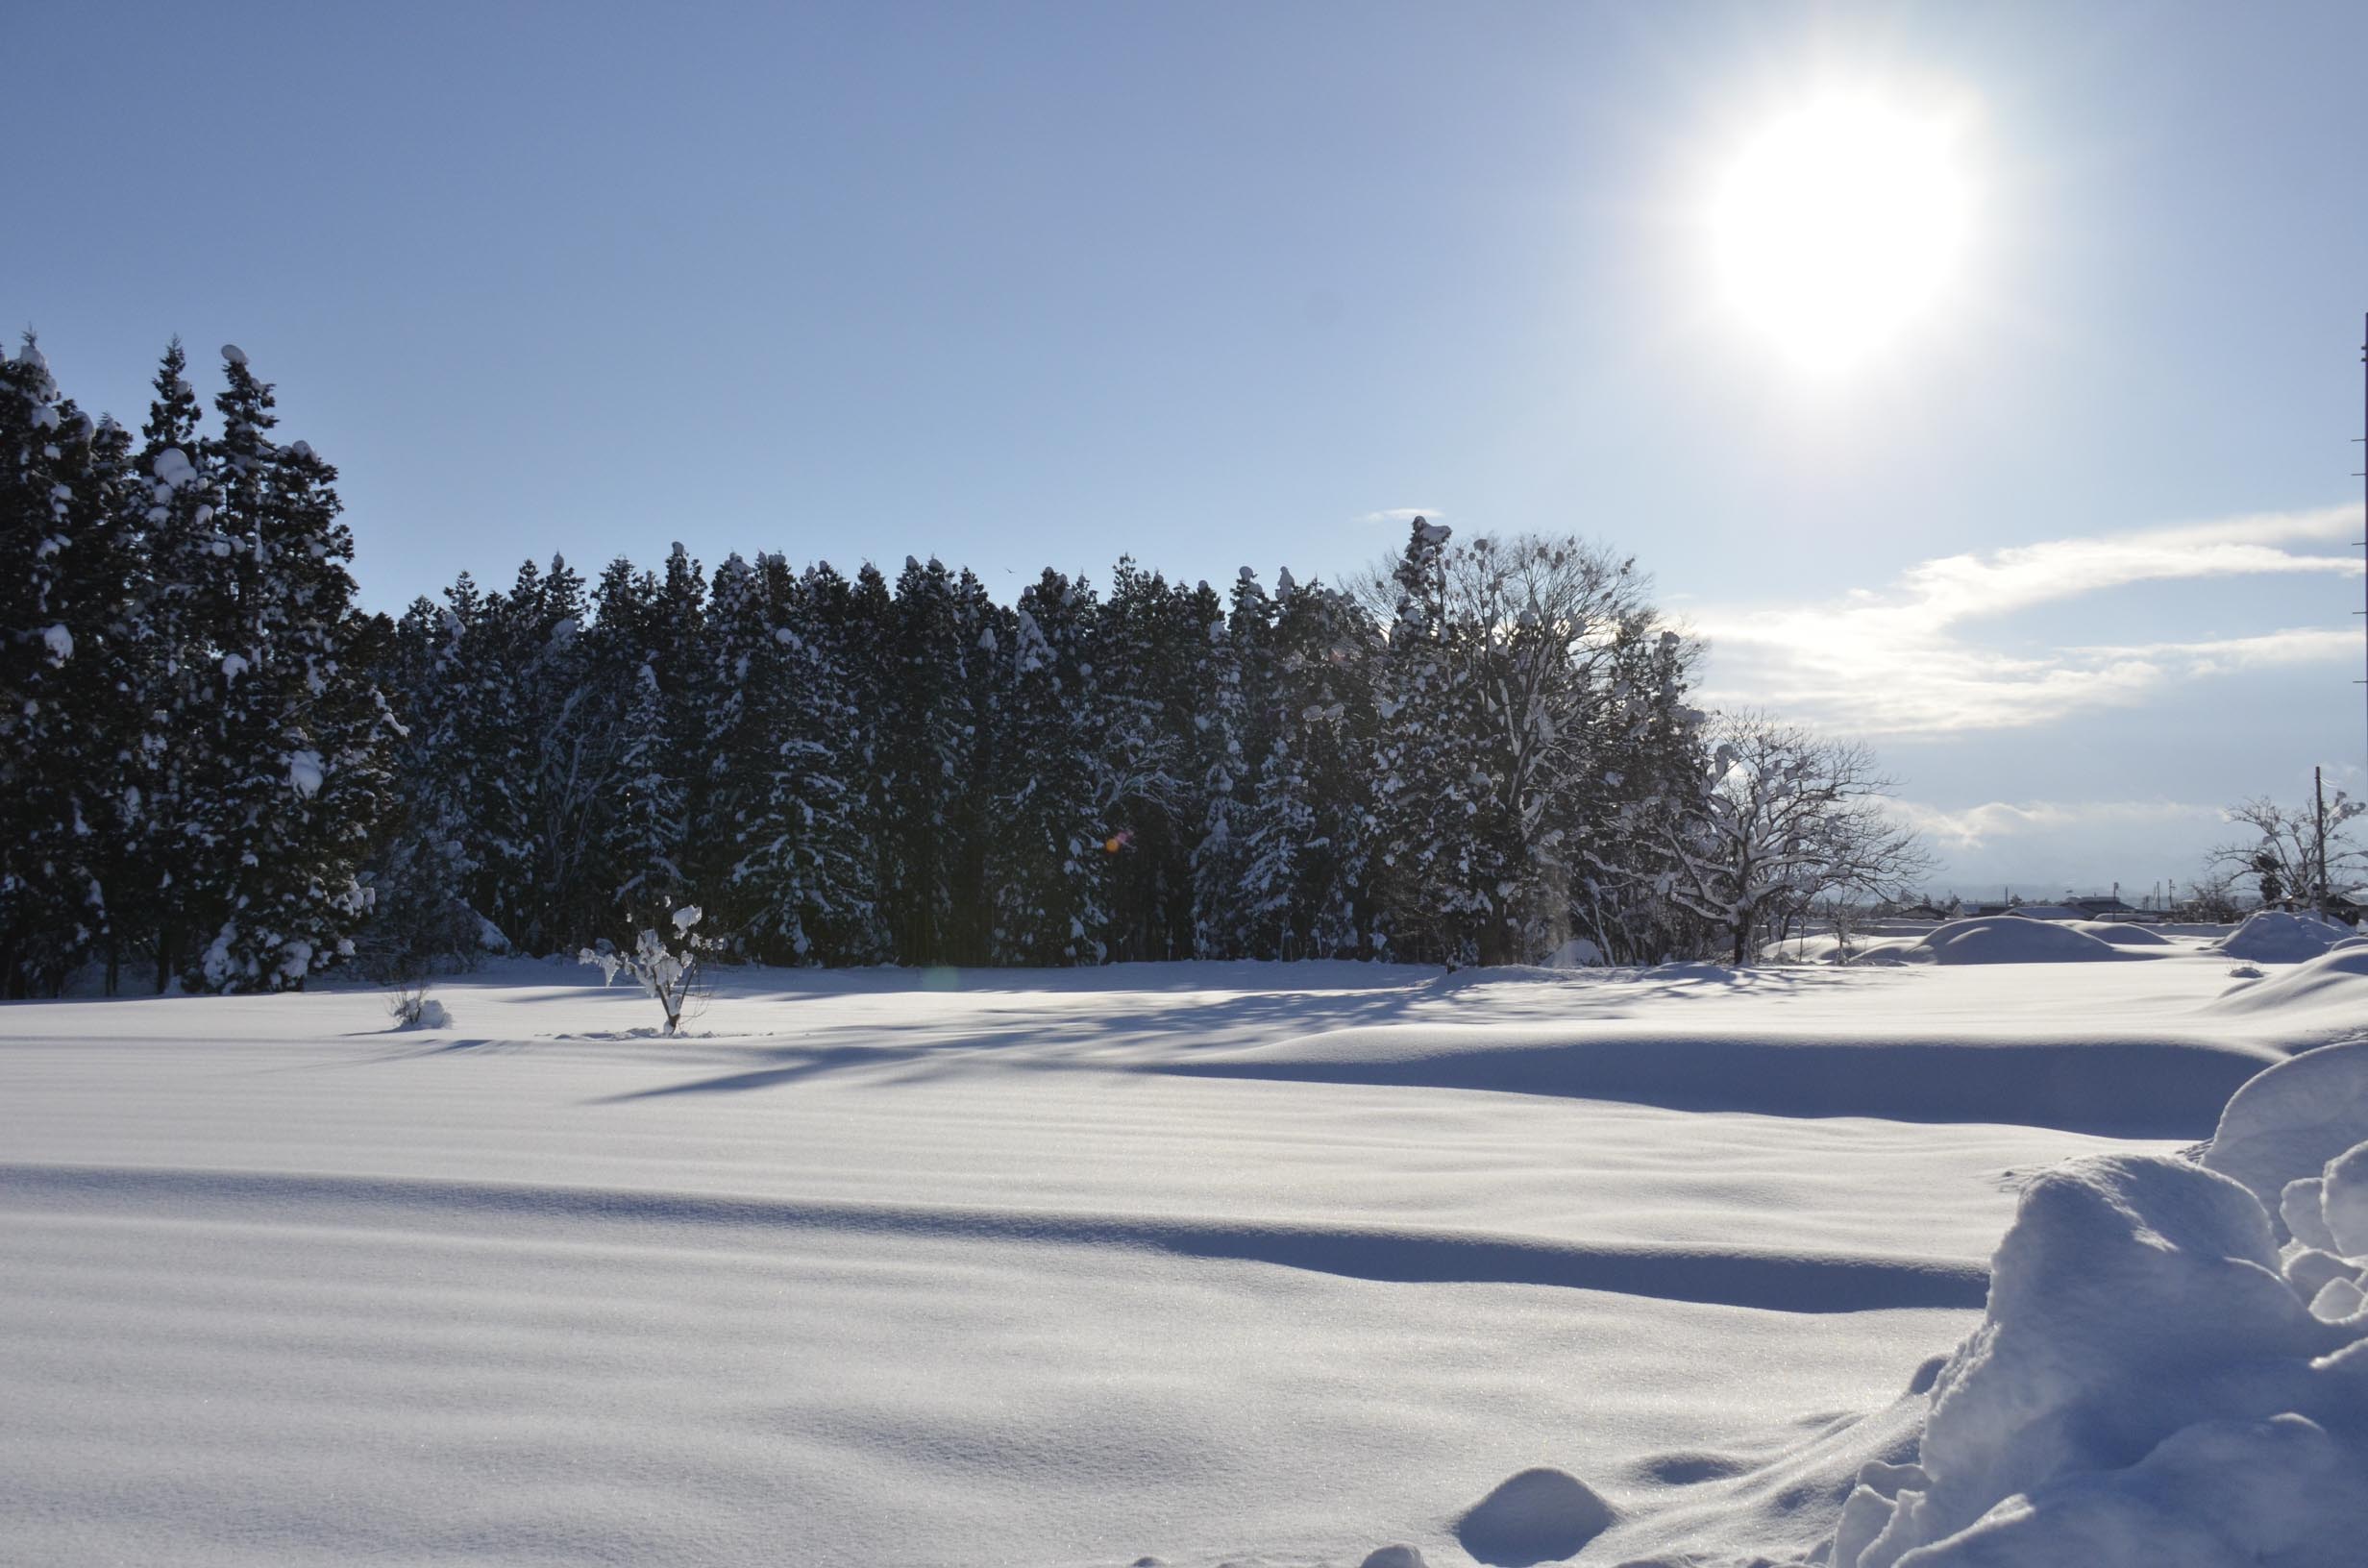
1840, 224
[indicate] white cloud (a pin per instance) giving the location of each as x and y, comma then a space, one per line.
1974, 827
1402, 514
1904, 661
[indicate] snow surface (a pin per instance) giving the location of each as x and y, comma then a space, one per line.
1270, 1264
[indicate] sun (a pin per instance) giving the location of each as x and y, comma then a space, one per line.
1842, 223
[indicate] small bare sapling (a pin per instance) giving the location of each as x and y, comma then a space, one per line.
667, 972
411, 1006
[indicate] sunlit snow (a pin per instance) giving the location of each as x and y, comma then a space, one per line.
1267, 1264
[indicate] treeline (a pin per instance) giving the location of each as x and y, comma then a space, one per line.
845, 770
218, 771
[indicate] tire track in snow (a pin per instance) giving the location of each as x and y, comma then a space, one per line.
1786, 1281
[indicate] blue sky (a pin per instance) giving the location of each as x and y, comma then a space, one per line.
1228, 284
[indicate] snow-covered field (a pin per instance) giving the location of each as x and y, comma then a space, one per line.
1259, 1265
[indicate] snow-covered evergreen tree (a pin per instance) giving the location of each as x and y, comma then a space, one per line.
1149, 682
1433, 845
798, 887
1309, 821
65, 714
1049, 847
936, 694
641, 830
1225, 922
188, 591
299, 773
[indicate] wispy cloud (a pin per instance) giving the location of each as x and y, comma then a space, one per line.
1402, 514
1974, 827
1908, 659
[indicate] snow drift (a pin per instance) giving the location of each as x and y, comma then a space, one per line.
2156, 1381
2274, 935
2122, 933
1986, 938
2338, 977
2009, 939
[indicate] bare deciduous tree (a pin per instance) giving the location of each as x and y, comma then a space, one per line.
2299, 856
1787, 817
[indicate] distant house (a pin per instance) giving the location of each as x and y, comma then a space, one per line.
2102, 906
2350, 905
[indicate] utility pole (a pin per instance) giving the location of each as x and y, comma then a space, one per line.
2318, 870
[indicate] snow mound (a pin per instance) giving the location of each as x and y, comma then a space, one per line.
1825, 947
2122, 933
2274, 935
2343, 1202
2145, 1389
2287, 1123
1394, 1557
2148, 1386
1540, 1515
2009, 938
1578, 953
2339, 974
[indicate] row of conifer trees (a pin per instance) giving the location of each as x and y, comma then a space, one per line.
194, 760
220, 770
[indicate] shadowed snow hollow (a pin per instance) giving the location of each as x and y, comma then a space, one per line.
1540, 1515
2145, 1087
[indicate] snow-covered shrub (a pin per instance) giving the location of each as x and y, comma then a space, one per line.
667, 972
412, 1008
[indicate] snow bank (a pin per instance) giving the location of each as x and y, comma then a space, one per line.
2155, 1382
2290, 1121
2274, 935
2338, 976
2009, 939
1825, 947
2122, 933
